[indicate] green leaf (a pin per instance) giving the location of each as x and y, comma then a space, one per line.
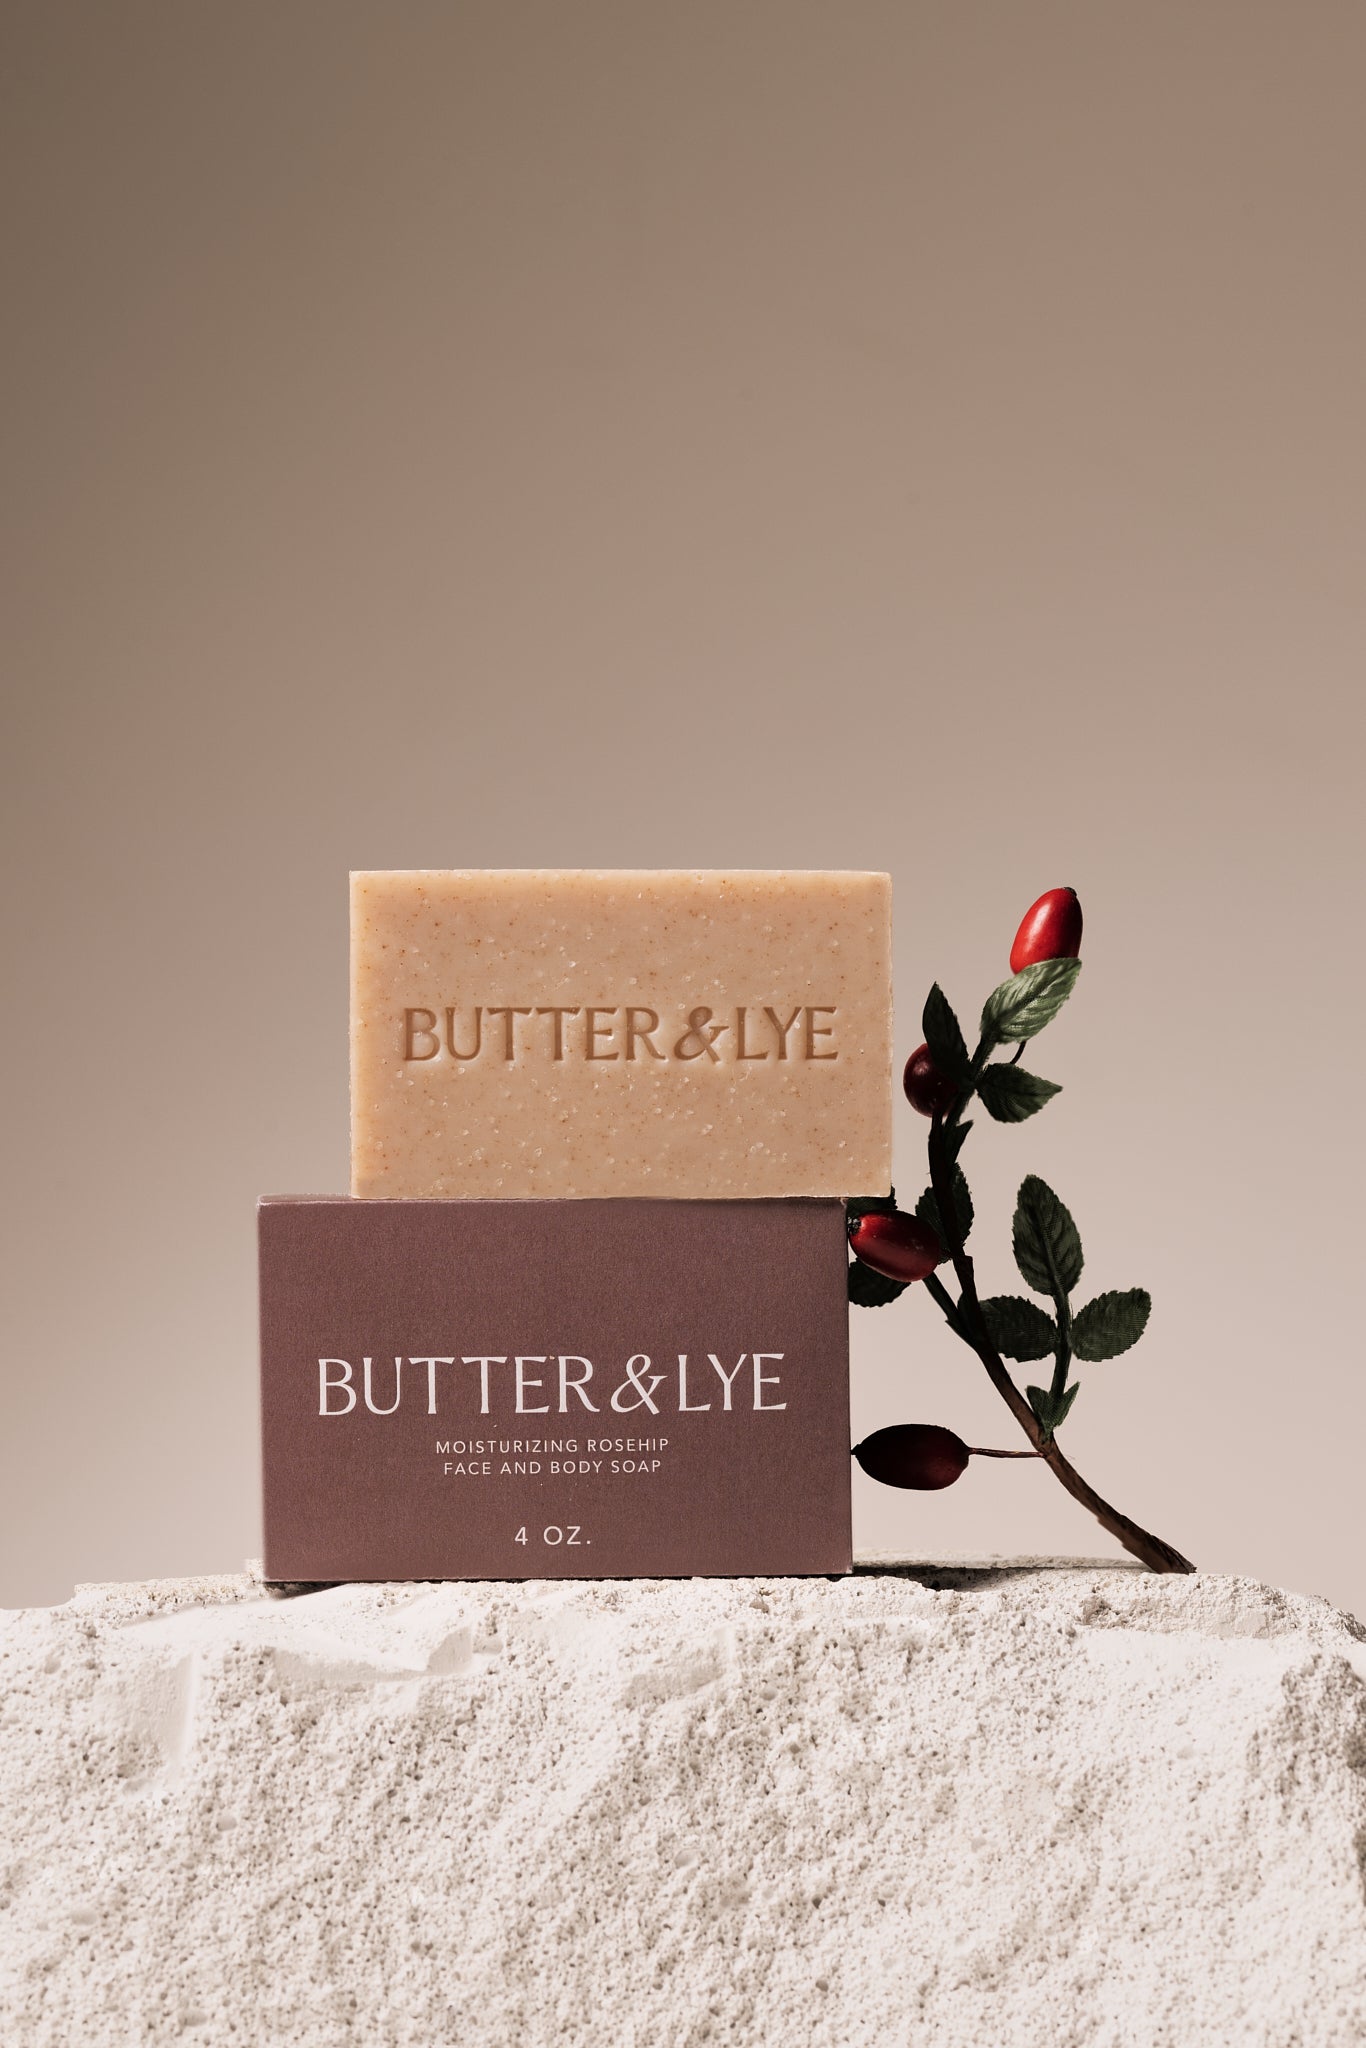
1047, 1246
859, 1206
927, 1209
1018, 1327
868, 1289
1051, 1414
1010, 1094
944, 1037
953, 1140
1020, 1007
1111, 1323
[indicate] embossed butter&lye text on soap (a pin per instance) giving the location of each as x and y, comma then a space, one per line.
603, 1032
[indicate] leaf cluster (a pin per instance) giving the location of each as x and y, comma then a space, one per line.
1048, 1253
1014, 1012
1044, 1236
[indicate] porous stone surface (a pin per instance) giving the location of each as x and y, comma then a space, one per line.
963, 1805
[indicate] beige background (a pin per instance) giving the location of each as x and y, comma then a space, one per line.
908, 436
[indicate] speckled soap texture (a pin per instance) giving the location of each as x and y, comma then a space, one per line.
596, 1032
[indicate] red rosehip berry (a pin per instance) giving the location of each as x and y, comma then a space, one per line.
900, 1247
926, 1088
1049, 930
913, 1454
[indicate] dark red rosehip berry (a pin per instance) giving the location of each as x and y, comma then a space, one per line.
898, 1246
914, 1454
926, 1088
1049, 930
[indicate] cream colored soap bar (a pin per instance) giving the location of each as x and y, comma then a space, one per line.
620, 1033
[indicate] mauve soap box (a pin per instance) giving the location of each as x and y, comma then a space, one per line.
553, 1389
